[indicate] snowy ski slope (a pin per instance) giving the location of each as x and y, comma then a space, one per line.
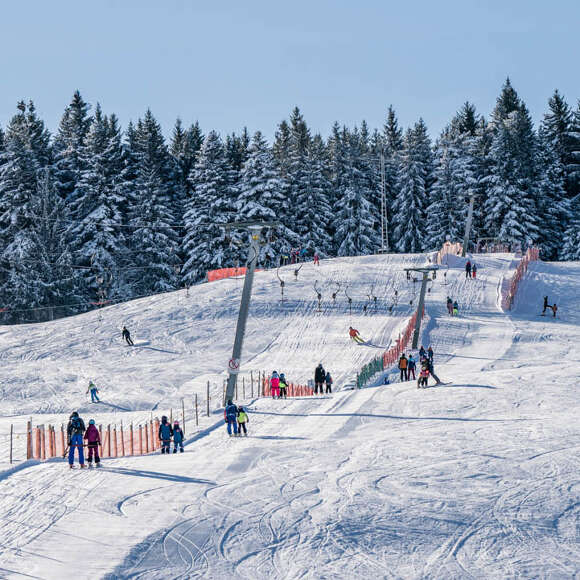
478, 478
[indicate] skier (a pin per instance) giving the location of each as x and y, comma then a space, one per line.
355, 335
127, 336
430, 354
473, 270
93, 438
178, 437
319, 377
449, 306
422, 354
316, 259
165, 434
403, 367
243, 419
423, 376
546, 305
328, 380
75, 430
411, 364
468, 269
455, 308
231, 418
93, 390
554, 309
432, 371
275, 385
283, 386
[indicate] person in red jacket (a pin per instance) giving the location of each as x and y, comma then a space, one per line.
93, 438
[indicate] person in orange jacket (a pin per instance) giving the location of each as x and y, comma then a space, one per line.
355, 335
403, 367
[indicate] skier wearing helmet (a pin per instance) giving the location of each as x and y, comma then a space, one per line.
319, 379
165, 434
178, 437
93, 438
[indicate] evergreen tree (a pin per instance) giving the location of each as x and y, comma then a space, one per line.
573, 167
571, 246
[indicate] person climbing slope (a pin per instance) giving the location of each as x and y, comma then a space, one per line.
178, 437
75, 431
93, 390
93, 438
231, 418
165, 434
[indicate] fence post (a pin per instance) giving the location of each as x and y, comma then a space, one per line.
11, 435
109, 440
42, 443
146, 438
196, 413
131, 439
207, 397
101, 437
29, 439
140, 439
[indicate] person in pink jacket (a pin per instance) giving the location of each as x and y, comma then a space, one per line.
275, 385
93, 438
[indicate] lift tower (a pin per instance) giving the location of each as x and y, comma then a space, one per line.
425, 271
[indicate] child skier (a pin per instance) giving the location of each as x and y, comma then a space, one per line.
231, 417
473, 270
243, 420
423, 377
554, 309
178, 437
75, 430
93, 390
283, 386
455, 308
328, 380
165, 434
275, 385
93, 438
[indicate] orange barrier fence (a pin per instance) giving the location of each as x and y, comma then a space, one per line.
46, 441
292, 390
222, 273
509, 293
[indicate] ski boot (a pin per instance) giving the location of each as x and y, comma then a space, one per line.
181, 450
83, 466
175, 450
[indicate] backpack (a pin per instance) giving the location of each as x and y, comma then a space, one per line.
75, 424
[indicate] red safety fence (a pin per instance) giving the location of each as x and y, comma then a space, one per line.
509, 292
46, 441
292, 390
392, 355
222, 273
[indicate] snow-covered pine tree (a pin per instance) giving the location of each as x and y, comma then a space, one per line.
571, 245
573, 167
415, 177
206, 245
153, 241
261, 197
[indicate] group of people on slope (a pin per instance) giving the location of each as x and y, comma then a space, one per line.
470, 269
408, 365
322, 378
278, 386
452, 307
76, 436
298, 255
167, 432
553, 307
236, 419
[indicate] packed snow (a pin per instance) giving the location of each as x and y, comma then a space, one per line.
475, 478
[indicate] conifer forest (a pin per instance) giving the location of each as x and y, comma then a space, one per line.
97, 213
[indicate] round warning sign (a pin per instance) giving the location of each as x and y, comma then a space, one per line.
234, 365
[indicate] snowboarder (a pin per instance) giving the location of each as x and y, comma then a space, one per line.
455, 308
178, 437
93, 438
473, 270
546, 305
316, 259
449, 306
283, 386
319, 377
275, 385
127, 336
411, 364
231, 418
468, 269
75, 431
165, 434
430, 354
328, 380
243, 419
403, 367
423, 376
554, 309
355, 335
93, 390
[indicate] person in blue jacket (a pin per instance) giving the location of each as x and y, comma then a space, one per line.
75, 431
231, 417
178, 437
165, 434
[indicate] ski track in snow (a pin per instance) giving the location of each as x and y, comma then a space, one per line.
476, 479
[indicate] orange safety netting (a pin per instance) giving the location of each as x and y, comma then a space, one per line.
222, 273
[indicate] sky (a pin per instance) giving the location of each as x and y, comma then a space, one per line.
230, 64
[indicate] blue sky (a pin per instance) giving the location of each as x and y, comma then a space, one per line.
235, 63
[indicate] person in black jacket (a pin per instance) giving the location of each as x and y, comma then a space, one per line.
127, 336
75, 431
319, 379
